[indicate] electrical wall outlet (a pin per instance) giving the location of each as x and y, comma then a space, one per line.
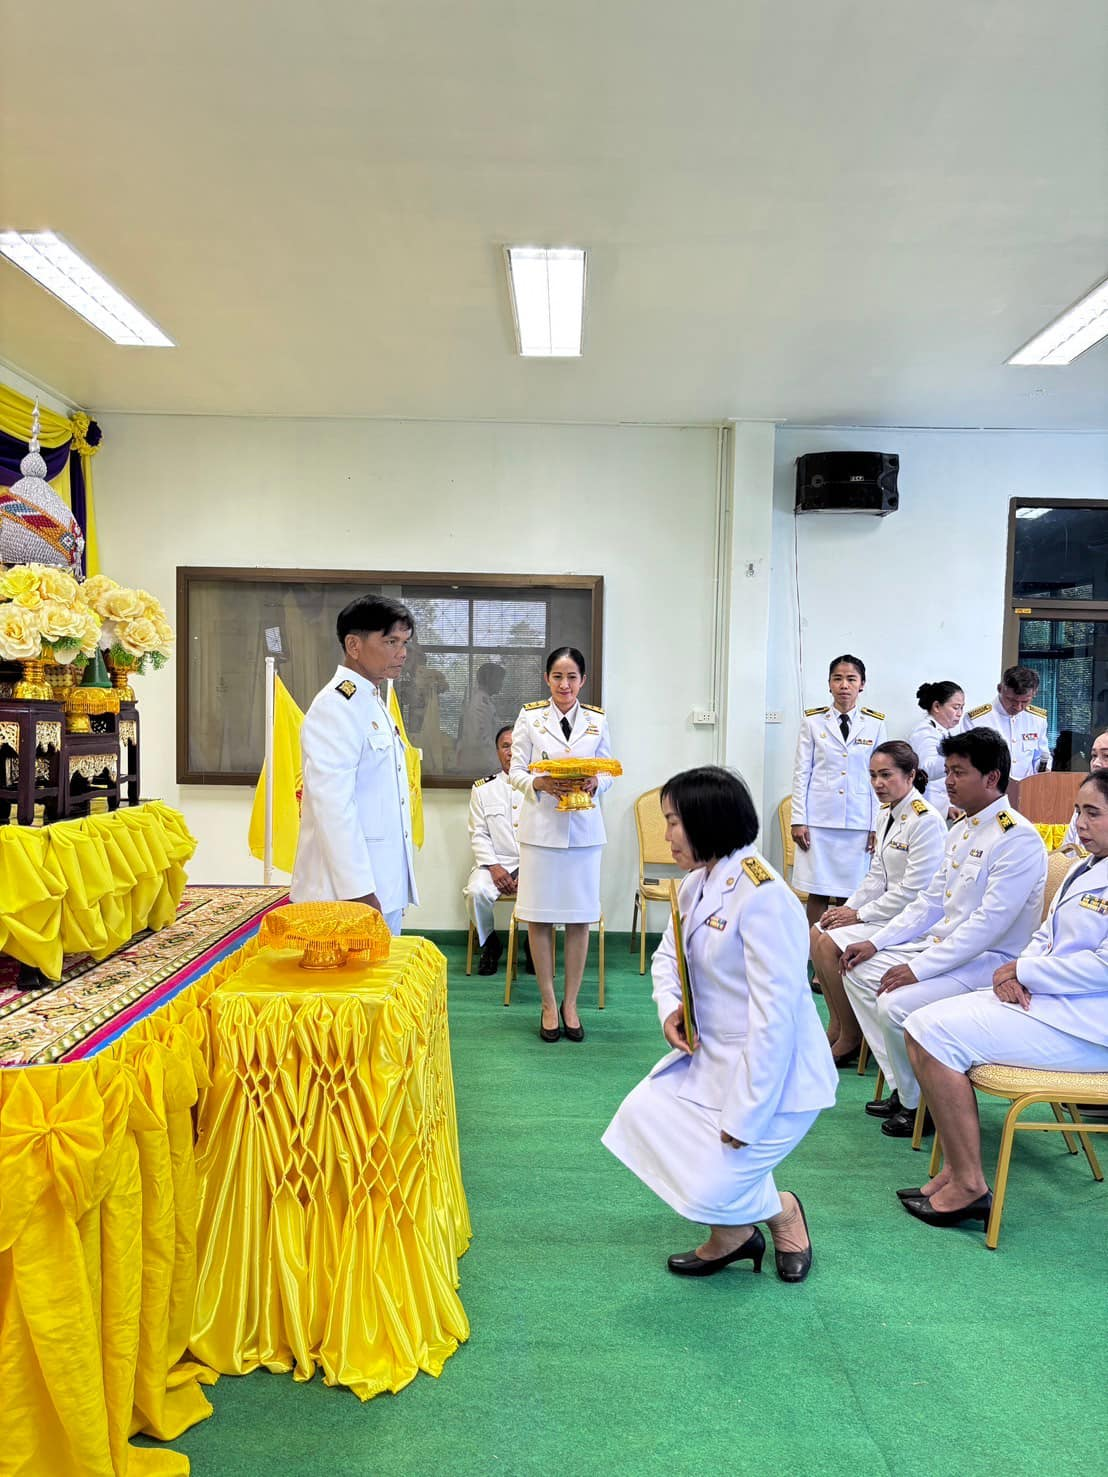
773, 716
703, 716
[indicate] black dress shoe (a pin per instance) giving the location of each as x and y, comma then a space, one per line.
794, 1266
902, 1125
688, 1264
572, 1033
976, 1210
549, 1034
915, 1192
490, 954
884, 1107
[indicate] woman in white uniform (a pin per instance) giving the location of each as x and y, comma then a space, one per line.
833, 806
944, 703
911, 837
1048, 1008
1098, 760
706, 1129
559, 850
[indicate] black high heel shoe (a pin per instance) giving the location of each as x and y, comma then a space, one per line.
976, 1210
549, 1033
688, 1264
572, 1033
794, 1266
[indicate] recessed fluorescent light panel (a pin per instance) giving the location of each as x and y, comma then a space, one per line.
57, 267
1074, 331
548, 299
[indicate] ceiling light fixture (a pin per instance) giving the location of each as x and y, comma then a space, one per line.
547, 288
1071, 333
54, 265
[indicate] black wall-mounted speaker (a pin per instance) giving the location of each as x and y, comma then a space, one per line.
847, 482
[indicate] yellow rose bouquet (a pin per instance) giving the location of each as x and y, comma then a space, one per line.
136, 632
45, 616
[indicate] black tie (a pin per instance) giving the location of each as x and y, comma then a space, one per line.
1072, 878
888, 828
844, 727
567, 727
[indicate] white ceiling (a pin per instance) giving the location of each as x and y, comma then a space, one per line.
828, 211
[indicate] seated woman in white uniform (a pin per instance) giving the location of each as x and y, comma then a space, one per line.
1048, 1008
706, 1129
944, 703
1098, 759
559, 850
911, 835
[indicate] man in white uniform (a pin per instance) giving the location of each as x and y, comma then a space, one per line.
1022, 726
478, 726
978, 912
494, 834
355, 823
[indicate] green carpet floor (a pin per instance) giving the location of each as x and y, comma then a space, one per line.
908, 1350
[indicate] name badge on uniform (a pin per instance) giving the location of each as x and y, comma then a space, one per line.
715, 921
592, 728
1090, 900
898, 845
864, 741
977, 852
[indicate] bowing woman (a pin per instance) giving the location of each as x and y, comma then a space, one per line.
559, 850
944, 703
833, 806
706, 1129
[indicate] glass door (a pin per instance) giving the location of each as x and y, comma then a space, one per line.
1069, 651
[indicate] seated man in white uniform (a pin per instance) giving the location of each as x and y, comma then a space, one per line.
494, 834
978, 912
1046, 1009
355, 818
1022, 726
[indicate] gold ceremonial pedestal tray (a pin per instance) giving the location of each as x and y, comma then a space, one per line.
329, 933
576, 769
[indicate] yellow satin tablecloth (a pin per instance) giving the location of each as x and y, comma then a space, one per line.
88, 886
331, 1207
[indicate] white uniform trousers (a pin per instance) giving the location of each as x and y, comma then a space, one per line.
882, 1017
394, 920
980, 1028
483, 892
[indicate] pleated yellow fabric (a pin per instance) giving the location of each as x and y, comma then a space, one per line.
98, 1253
88, 886
1052, 835
331, 1209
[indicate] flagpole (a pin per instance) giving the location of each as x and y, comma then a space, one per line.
270, 678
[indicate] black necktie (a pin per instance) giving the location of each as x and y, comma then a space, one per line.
1072, 878
844, 727
888, 828
567, 727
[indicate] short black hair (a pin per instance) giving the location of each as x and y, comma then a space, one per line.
985, 750
372, 613
573, 654
1020, 680
500, 733
854, 661
930, 693
716, 810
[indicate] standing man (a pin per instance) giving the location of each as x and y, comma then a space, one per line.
979, 911
1022, 726
494, 808
355, 824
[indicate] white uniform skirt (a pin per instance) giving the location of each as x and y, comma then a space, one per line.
558, 884
835, 864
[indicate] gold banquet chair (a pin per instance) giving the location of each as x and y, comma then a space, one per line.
513, 961
654, 851
788, 845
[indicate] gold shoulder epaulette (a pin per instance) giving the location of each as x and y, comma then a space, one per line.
1005, 821
920, 807
527, 707
1038, 712
591, 708
812, 712
981, 711
348, 689
873, 713
483, 781
756, 871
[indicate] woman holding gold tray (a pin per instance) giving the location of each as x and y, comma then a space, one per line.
559, 848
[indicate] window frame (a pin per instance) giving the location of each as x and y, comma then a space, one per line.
505, 584
1038, 608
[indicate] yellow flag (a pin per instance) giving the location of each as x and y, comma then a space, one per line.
415, 767
288, 784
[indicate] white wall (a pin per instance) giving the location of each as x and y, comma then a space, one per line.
918, 595
637, 505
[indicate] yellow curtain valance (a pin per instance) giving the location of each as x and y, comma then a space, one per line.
55, 430
88, 886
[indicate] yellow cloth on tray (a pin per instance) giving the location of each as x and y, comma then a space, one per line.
332, 1212
88, 886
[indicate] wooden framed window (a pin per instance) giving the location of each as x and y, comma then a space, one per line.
477, 656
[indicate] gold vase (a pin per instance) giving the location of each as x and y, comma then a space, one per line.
32, 686
121, 672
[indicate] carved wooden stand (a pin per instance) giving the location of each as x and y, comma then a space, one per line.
42, 764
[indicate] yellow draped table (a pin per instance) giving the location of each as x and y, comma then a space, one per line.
88, 886
331, 1208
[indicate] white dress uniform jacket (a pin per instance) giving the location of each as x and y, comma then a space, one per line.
831, 784
355, 823
538, 735
1025, 734
986, 896
1065, 966
494, 834
906, 857
925, 738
